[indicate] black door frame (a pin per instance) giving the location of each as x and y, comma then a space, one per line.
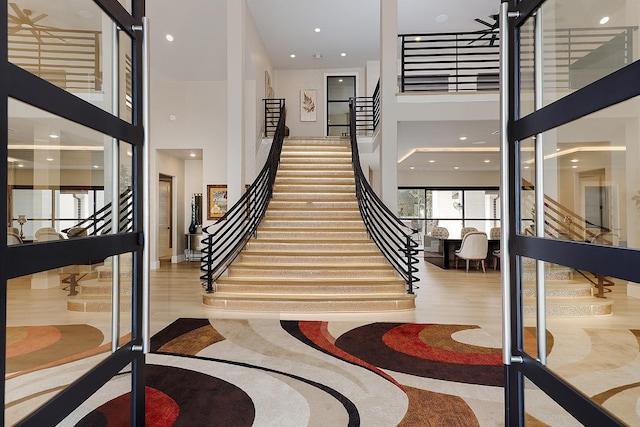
354, 76
617, 262
20, 260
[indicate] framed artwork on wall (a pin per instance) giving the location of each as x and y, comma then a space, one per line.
308, 105
216, 201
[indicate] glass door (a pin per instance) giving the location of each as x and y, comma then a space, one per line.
339, 90
72, 261
570, 141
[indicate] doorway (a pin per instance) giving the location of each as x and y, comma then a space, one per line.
165, 217
338, 91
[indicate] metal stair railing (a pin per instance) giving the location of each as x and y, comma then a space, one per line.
391, 236
368, 112
229, 234
100, 222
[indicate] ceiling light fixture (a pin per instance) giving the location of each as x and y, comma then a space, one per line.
169, 37
418, 38
192, 154
54, 136
574, 167
604, 20
412, 167
317, 30
49, 159
20, 165
343, 54
340, 80
487, 161
293, 55
441, 18
574, 160
463, 138
456, 167
317, 55
96, 166
432, 161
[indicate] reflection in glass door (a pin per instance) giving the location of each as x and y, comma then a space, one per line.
570, 146
339, 90
72, 262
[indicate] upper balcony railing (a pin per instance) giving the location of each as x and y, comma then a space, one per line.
367, 112
463, 62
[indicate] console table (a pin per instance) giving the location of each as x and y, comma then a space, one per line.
441, 252
193, 246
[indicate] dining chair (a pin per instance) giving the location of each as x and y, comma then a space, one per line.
474, 247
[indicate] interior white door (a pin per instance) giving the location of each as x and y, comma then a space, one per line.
164, 218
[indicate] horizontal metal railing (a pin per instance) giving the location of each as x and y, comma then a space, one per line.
226, 237
367, 109
272, 109
469, 61
100, 222
391, 236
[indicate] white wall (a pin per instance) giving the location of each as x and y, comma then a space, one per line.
289, 83
199, 111
448, 179
171, 166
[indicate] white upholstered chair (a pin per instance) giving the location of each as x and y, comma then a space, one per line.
466, 230
439, 232
496, 258
473, 248
494, 233
13, 238
46, 234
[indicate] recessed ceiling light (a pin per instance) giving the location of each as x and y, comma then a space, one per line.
293, 55
487, 161
418, 38
456, 167
317, 55
340, 80
169, 37
20, 165
526, 167
441, 18
412, 167
463, 138
432, 161
192, 154
317, 30
574, 160
557, 149
574, 167
49, 159
604, 20
96, 166
54, 136
343, 54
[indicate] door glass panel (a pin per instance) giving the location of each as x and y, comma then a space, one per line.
338, 113
69, 47
592, 184
578, 49
592, 333
56, 175
125, 80
527, 68
58, 328
114, 397
541, 410
527, 193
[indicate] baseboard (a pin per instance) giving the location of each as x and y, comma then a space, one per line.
154, 265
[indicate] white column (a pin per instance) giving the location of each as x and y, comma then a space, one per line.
235, 98
388, 89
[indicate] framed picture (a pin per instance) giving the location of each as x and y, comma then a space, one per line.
308, 105
216, 201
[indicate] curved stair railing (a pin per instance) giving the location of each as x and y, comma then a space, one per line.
392, 237
100, 222
229, 234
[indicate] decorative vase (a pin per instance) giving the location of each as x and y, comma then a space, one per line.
193, 226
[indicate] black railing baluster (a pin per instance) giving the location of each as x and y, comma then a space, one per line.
383, 227
240, 222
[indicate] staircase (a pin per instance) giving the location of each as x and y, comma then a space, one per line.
94, 294
565, 296
311, 252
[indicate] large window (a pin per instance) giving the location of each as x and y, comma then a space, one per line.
423, 208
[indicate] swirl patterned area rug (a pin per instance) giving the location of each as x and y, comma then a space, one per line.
307, 373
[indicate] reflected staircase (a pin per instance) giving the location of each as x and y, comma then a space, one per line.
311, 251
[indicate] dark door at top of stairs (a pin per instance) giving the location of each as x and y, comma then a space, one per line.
339, 90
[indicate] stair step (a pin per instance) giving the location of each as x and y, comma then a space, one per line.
299, 215
300, 303
301, 271
321, 234
318, 245
309, 151
312, 258
561, 290
341, 173
355, 224
315, 161
301, 147
95, 287
300, 167
95, 304
308, 197
314, 180
315, 205
310, 286
568, 307
316, 188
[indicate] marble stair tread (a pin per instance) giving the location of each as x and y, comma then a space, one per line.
315, 223
350, 204
315, 197
560, 290
303, 215
571, 307
315, 188
302, 234
310, 173
95, 304
314, 180
299, 287
315, 167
